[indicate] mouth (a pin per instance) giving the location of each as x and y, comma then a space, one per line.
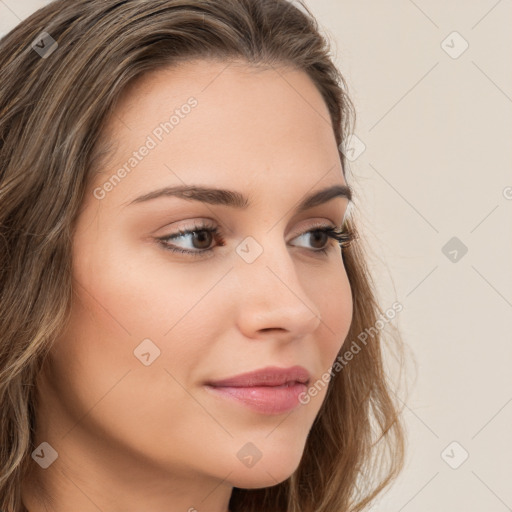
271, 390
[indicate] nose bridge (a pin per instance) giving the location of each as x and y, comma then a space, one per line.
272, 295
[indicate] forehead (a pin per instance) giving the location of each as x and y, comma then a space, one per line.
218, 123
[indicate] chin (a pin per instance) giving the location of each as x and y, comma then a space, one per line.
267, 472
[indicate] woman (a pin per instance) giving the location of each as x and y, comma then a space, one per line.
182, 282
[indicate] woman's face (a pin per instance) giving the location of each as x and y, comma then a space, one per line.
125, 399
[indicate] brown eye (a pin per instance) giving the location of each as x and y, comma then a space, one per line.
203, 239
199, 239
317, 238
320, 238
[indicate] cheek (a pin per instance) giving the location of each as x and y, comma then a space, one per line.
129, 292
134, 289
120, 302
333, 296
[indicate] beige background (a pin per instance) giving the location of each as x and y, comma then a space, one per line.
437, 129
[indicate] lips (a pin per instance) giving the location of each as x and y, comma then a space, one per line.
271, 390
270, 376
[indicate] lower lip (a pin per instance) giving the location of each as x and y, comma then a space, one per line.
264, 399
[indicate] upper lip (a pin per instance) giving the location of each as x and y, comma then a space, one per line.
269, 376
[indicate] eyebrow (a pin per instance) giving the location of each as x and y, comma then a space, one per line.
237, 200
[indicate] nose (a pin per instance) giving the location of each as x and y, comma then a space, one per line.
272, 297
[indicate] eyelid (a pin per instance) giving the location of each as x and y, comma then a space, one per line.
206, 224
316, 224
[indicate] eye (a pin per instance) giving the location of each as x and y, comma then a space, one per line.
202, 235
325, 232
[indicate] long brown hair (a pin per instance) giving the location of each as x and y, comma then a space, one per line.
54, 101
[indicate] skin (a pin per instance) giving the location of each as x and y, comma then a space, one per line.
132, 437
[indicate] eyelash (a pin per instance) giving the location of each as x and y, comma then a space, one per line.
344, 238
